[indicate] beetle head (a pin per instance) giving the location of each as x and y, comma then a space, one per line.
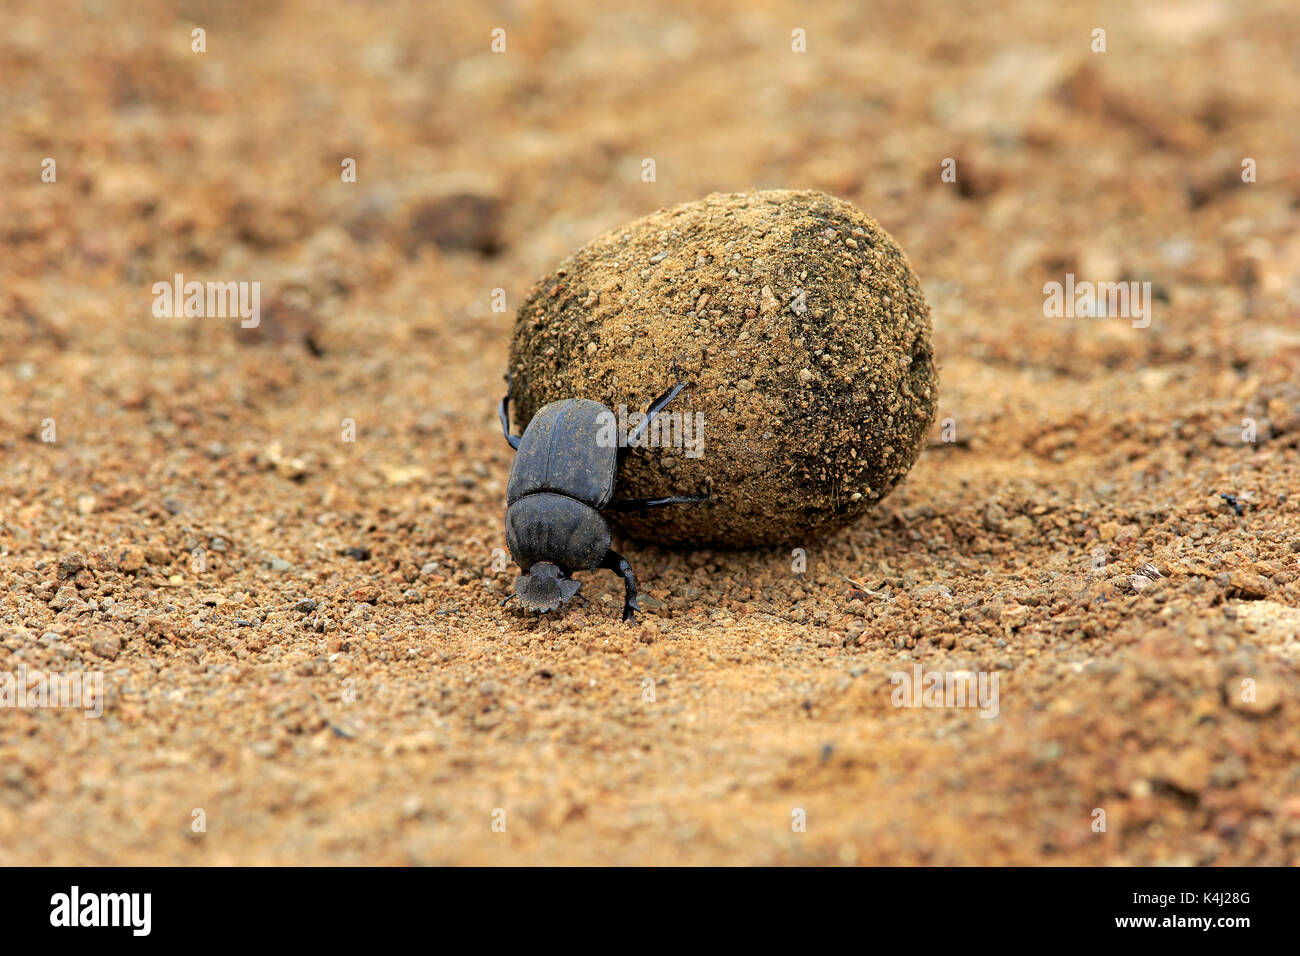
544, 588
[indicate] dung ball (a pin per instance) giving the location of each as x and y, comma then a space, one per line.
799, 329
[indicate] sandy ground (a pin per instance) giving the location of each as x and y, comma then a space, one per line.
300, 635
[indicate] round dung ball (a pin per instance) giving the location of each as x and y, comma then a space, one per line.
800, 332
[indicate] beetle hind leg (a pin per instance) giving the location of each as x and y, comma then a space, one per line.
641, 504
657, 406
504, 412
618, 564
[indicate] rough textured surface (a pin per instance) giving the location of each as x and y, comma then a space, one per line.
802, 332
336, 681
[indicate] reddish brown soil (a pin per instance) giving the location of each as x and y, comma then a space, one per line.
198, 488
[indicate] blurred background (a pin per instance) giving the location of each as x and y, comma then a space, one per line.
483, 169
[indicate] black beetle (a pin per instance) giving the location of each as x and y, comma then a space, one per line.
562, 477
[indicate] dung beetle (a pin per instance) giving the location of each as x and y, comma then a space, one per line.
561, 480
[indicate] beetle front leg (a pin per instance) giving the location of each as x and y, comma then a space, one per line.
504, 412
618, 564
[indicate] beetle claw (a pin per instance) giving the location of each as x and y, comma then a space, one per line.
677, 371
